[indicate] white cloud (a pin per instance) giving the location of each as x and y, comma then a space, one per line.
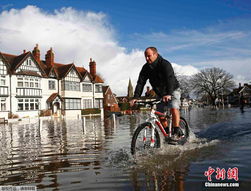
75, 36
184, 70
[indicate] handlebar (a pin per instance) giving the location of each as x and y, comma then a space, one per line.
151, 103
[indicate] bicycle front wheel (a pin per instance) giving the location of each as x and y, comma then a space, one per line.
142, 139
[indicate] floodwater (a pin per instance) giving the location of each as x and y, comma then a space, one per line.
95, 155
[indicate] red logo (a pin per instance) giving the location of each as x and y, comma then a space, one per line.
232, 173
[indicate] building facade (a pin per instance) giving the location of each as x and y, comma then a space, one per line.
30, 86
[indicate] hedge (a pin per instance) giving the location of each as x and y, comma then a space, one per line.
90, 111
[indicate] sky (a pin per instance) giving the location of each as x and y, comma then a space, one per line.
191, 34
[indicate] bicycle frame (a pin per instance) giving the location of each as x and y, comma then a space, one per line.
155, 123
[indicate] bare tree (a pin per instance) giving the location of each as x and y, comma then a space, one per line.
185, 85
212, 82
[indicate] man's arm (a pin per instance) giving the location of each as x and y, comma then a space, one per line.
141, 82
169, 78
140, 85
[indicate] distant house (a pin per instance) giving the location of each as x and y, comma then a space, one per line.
234, 96
29, 85
110, 101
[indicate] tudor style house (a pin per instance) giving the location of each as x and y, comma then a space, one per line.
29, 85
235, 95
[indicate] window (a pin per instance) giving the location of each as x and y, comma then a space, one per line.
3, 69
87, 103
98, 103
52, 85
2, 80
3, 104
28, 82
29, 92
98, 89
70, 86
4, 90
27, 104
87, 87
72, 103
20, 84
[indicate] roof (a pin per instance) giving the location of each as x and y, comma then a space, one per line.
14, 61
81, 70
53, 97
28, 73
61, 70
97, 79
105, 88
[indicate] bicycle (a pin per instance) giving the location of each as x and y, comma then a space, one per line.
147, 136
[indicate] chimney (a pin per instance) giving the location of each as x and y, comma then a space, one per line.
24, 51
36, 53
49, 58
92, 66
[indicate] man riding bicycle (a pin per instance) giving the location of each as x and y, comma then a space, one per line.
163, 81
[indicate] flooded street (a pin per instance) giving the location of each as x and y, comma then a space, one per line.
95, 154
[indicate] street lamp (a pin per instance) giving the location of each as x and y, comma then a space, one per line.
222, 98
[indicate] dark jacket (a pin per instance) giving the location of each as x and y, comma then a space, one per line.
161, 76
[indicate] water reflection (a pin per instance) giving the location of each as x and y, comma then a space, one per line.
31, 151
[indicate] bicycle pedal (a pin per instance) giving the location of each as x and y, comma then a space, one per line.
173, 142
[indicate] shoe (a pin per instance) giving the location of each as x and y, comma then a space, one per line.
177, 131
175, 138
177, 134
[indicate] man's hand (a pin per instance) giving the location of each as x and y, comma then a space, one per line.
166, 98
132, 102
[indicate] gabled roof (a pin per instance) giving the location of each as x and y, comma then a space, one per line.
248, 87
18, 60
63, 69
97, 79
53, 97
84, 73
105, 89
52, 70
8, 57
14, 61
81, 70
5, 60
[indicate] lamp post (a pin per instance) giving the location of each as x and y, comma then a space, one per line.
222, 98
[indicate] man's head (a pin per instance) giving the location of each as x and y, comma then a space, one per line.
151, 54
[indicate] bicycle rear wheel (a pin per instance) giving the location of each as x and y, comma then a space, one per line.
141, 140
185, 129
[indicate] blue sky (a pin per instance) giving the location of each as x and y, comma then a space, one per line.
192, 34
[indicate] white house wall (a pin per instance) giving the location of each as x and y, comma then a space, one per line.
12, 99
46, 91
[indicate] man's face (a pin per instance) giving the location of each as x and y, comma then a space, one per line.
150, 56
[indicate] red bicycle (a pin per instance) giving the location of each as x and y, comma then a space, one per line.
147, 135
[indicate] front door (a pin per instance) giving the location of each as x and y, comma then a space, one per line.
55, 108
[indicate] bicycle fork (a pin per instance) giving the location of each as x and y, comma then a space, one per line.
152, 140
152, 137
